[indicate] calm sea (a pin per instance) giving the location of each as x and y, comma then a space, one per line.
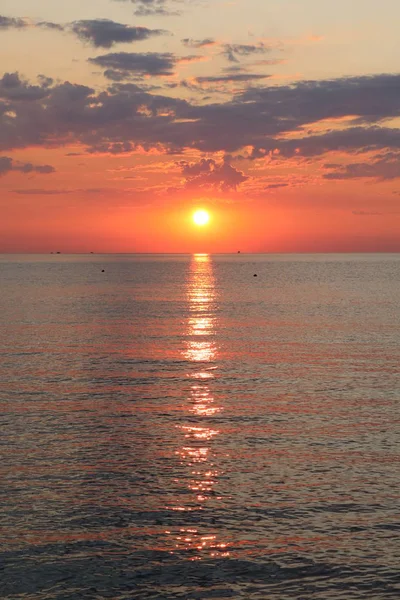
176, 428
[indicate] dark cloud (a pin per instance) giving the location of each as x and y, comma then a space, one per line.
50, 117
371, 98
7, 165
114, 148
101, 33
209, 174
114, 75
191, 43
193, 170
126, 116
385, 168
160, 8
233, 51
12, 87
354, 139
45, 81
120, 65
105, 33
12, 23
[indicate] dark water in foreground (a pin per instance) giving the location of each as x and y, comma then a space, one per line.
175, 428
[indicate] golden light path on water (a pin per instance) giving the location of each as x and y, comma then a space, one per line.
196, 452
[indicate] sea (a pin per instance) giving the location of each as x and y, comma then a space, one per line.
189, 427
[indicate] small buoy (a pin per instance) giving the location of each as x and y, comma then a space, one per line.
102, 270
255, 275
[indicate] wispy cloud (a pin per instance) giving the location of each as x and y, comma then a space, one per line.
233, 52
191, 43
7, 165
160, 8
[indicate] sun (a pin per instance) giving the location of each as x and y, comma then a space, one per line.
201, 217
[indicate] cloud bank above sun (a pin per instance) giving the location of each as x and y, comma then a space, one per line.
155, 105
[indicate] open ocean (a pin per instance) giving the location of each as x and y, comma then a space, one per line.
176, 428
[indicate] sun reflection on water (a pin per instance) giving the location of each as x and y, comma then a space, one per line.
197, 453
201, 345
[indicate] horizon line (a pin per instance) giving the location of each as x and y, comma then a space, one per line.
242, 253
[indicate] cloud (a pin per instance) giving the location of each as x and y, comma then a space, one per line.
233, 51
12, 87
209, 174
353, 139
191, 43
234, 77
105, 33
113, 148
120, 65
12, 23
18, 23
371, 97
383, 169
7, 165
160, 8
101, 33
50, 25
41, 192
270, 120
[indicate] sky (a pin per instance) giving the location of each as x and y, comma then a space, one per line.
120, 118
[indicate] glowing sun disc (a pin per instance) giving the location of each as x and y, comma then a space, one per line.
201, 217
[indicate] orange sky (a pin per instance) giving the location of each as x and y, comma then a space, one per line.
282, 123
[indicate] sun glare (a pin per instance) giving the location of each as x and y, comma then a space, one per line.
201, 217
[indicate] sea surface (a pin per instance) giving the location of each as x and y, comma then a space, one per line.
173, 427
